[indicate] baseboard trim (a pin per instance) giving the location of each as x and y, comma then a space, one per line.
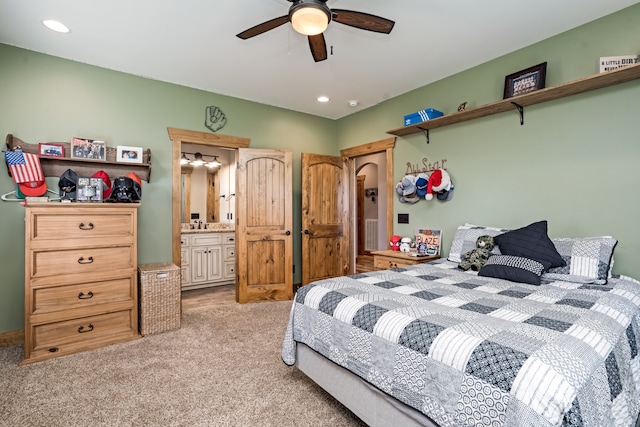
11, 338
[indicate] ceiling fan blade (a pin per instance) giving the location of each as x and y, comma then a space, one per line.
318, 47
364, 21
263, 28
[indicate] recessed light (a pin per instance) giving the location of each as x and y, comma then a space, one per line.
55, 26
323, 99
353, 103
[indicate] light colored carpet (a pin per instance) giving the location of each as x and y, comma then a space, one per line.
221, 368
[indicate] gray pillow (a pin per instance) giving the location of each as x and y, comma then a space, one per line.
589, 259
465, 238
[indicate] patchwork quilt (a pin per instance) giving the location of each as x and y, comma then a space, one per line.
476, 351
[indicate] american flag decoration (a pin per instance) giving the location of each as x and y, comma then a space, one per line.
24, 167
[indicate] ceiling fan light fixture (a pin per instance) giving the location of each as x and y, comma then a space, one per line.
310, 18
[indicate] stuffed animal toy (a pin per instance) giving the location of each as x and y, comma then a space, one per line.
475, 259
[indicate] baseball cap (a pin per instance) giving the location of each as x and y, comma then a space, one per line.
421, 184
32, 189
447, 194
106, 183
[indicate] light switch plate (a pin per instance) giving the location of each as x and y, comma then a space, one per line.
403, 218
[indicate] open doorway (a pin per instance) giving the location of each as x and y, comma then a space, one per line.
371, 227
379, 153
178, 137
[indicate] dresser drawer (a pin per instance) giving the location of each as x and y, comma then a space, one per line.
79, 334
53, 226
81, 261
63, 298
387, 263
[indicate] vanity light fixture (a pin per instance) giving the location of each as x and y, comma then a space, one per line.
198, 160
214, 163
184, 160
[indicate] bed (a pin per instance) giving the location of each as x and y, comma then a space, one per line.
433, 345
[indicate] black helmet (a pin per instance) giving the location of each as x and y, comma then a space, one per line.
67, 185
124, 190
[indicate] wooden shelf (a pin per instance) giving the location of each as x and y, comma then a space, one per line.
55, 166
586, 84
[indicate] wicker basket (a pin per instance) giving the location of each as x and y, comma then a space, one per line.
159, 299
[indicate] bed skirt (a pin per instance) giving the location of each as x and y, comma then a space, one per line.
371, 405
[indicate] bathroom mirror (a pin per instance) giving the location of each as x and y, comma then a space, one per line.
207, 192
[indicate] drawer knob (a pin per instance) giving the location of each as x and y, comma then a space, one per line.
86, 227
82, 330
81, 260
53, 350
88, 295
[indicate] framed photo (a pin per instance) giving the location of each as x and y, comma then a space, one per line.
525, 81
50, 150
127, 154
85, 148
428, 242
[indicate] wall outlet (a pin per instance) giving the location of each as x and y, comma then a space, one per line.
403, 218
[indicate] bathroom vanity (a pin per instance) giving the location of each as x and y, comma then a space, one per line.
208, 256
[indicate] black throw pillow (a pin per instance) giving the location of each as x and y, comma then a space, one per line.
530, 242
514, 268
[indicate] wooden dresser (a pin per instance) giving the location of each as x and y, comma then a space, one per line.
388, 259
80, 277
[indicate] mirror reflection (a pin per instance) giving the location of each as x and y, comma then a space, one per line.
208, 185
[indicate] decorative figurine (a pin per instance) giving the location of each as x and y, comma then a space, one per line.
395, 243
405, 244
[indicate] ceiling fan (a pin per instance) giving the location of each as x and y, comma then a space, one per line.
311, 18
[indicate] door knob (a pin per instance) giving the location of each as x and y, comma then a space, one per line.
306, 231
288, 233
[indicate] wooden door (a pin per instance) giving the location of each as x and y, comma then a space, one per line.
360, 213
325, 223
213, 196
263, 225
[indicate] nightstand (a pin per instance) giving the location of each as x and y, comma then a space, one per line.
388, 259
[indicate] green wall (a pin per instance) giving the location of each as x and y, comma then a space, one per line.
573, 162
51, 99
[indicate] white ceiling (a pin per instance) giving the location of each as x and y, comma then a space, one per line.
193, 43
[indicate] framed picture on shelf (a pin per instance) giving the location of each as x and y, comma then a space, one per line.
428, 242
90, 149
50, 149
525, 81
127, 154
